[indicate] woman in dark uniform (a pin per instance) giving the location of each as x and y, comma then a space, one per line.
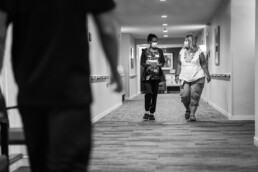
152, 59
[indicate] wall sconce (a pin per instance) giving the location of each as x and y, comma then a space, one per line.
132, 53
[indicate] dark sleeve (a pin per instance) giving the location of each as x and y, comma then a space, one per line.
161, 57
143, 59
98, 6
2, 5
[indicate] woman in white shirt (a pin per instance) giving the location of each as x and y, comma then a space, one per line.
191, 71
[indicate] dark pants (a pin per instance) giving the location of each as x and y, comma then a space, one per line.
58, 139
151, 93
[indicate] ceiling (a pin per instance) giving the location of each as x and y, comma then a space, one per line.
141, 17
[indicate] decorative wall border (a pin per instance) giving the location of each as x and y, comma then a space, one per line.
225, 76
133, 76
99, 78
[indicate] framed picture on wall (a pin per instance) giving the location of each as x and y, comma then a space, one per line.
132, 57
168, 61
217, 45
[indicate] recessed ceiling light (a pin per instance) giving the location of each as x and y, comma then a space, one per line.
162, 0
165, 36
164, 16
165, 24
165, 30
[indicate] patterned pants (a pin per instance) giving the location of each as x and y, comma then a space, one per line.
191, 92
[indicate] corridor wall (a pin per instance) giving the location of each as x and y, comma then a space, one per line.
234, 97
167, 41
218, 92
105, 99
256, 75
128, 61
243, 53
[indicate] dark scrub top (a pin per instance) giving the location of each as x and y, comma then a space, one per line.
50, 54
152, 73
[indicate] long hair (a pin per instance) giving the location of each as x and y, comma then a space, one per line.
192, 43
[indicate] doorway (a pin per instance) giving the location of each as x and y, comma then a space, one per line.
171, 48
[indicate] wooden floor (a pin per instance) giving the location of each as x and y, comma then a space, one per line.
125, 143
172, 145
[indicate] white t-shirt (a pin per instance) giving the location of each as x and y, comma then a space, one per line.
191, 69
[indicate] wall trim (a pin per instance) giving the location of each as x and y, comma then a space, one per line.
228, 115
242, 117
103, 114
131, 97
132, 76
256, 141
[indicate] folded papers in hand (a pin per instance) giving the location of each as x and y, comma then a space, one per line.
153, 63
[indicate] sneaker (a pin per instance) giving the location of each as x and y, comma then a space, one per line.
151, 117
146, 116
192, 118
187, 115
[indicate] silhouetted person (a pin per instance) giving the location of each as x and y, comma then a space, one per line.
191, 71
50, 59
152, 59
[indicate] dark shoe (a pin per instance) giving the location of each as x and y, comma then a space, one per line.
187, 114
146, 116
192, 118
151, 117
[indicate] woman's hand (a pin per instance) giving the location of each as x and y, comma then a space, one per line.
177, 79
208, 78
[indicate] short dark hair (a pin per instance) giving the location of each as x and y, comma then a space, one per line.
150, 36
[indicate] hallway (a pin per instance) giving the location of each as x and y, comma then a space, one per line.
125, 143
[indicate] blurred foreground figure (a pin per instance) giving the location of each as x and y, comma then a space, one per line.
50, 59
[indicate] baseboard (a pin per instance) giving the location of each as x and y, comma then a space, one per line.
101, 115
204, 99
226, 114
256, 141
131, 97
229, 116
242, 117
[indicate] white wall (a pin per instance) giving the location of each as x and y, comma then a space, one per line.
128, 43
234, 98
256, 75
243, 53
219, 91
167, 41
104, 99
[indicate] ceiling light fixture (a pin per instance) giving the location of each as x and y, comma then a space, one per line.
164, 16
165, 24
162, 0
165, 36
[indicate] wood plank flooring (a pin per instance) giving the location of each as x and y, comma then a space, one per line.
126, 144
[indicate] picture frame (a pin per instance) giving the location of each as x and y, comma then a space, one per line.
168, 61
132, 57
217, 45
